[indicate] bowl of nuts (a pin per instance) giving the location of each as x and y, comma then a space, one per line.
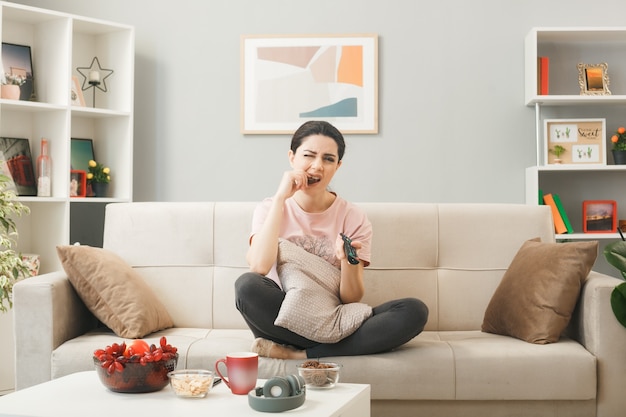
319, 375
191, 383
135, 367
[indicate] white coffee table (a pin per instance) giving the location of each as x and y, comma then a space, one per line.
81, 394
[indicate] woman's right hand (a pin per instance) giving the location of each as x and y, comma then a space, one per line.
291, 182
264, 244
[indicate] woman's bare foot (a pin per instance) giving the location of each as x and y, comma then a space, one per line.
269, 349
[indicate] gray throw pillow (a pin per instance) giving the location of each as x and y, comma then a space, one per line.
312, 307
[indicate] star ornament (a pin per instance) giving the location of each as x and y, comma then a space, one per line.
95, 76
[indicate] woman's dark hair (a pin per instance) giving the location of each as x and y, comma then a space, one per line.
318, 127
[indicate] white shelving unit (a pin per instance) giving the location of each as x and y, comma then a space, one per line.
59, 44
565, 48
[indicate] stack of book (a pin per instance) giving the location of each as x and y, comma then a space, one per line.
562, 224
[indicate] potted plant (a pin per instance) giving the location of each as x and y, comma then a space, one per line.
558, 150
619, 146
615, 254
98, 178
12, 267
11, 84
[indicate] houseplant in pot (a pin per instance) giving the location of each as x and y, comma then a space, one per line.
619, 146
98, 178
11, 86
615, 254
12, 267
558, 150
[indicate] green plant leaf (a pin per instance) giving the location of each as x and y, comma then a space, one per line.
618, 303
12, 266
615, 254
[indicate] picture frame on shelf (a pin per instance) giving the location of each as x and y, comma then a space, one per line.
599, 216
81, 152
4, 170
17, 62
20, 163
78, 183
287, 80
593, 79
574, 141
76, 93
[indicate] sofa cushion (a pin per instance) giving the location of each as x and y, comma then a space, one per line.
538, 292
312, 307
490, 366
113, 291
455, 365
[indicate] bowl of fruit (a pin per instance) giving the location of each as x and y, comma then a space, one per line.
136, 366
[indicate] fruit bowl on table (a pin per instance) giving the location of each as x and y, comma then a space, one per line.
144, 369
319, 375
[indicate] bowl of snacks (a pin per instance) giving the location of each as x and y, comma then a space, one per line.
191, 383
136, 367
319, 375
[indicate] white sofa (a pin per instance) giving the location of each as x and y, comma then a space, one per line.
452, 256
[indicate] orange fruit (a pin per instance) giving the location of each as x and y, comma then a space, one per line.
137, 347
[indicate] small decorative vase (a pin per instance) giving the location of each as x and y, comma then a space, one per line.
99, 189
619, 157
10, 91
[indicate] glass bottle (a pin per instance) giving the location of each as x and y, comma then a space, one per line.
44, 167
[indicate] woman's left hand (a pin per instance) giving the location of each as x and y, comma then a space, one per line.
340, 253
351, 288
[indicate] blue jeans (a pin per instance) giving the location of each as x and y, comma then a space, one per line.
392, 324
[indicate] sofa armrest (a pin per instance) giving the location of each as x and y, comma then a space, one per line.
603, 336
47, 312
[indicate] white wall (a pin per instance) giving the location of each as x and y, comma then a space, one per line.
453, 125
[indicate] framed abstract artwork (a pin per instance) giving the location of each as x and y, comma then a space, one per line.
288, 80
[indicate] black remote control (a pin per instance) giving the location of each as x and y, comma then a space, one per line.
350, 251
